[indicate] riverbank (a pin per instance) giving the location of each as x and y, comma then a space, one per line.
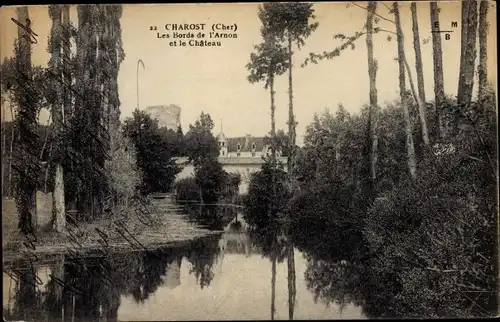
164, 225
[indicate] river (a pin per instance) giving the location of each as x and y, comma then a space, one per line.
222, 277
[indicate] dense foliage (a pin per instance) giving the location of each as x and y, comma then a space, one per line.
8, 136
281, 142
263, 206
187, 189
437, 234
425, 247
203, 150
154, 152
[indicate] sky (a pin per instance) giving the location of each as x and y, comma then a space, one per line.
214, 79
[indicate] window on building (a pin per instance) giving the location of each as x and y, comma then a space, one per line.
222, 153
239, 147
253, 146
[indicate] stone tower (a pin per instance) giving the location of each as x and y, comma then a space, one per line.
168, 116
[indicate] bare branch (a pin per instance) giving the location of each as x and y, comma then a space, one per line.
387, 7
376, 14
384, 30
335, 52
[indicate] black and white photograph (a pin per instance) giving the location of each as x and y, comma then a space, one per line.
249, 161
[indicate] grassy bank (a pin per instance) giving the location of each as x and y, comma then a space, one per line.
161, 225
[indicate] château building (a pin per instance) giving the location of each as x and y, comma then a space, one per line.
246, 146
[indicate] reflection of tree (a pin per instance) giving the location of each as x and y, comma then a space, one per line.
291, 279
342, 276
55, 289
86, 287
149, 275
89, 289
27, 298
333, 244
202, 254
334, 282
208, 216
271, 243
173, 273
273, 287
332, 229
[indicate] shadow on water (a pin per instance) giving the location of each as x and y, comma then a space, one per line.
213, 217
90, 289
117, 285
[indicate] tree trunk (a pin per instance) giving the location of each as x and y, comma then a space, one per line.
115, 61
273, 287
4, 141
439, 96
412, 164
27, 164
418, 99
468, 52
291, 117
372, 73
11, 155
483, 47
291, 280
420, 75
67, 107
66, 63
418, 53
273, 121
58, 205
273, 143
463, 47
420, 103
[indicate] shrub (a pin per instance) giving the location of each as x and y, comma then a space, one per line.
154, 153
187, 189
231, 187
121, 166
433, 239
261, 207
211, 178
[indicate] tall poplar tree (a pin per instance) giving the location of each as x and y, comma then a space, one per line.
410, 149
467, 52
289, 23
483, 47
372, 73
89, 134
418, 52
58, 106
26, 162
437, 57
268, 61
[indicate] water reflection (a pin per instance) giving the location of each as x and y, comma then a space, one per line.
238, 274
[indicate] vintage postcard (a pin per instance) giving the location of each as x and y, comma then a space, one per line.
249, 161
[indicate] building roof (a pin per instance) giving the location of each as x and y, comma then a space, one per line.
246, 143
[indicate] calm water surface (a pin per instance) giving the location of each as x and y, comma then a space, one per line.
227, 276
